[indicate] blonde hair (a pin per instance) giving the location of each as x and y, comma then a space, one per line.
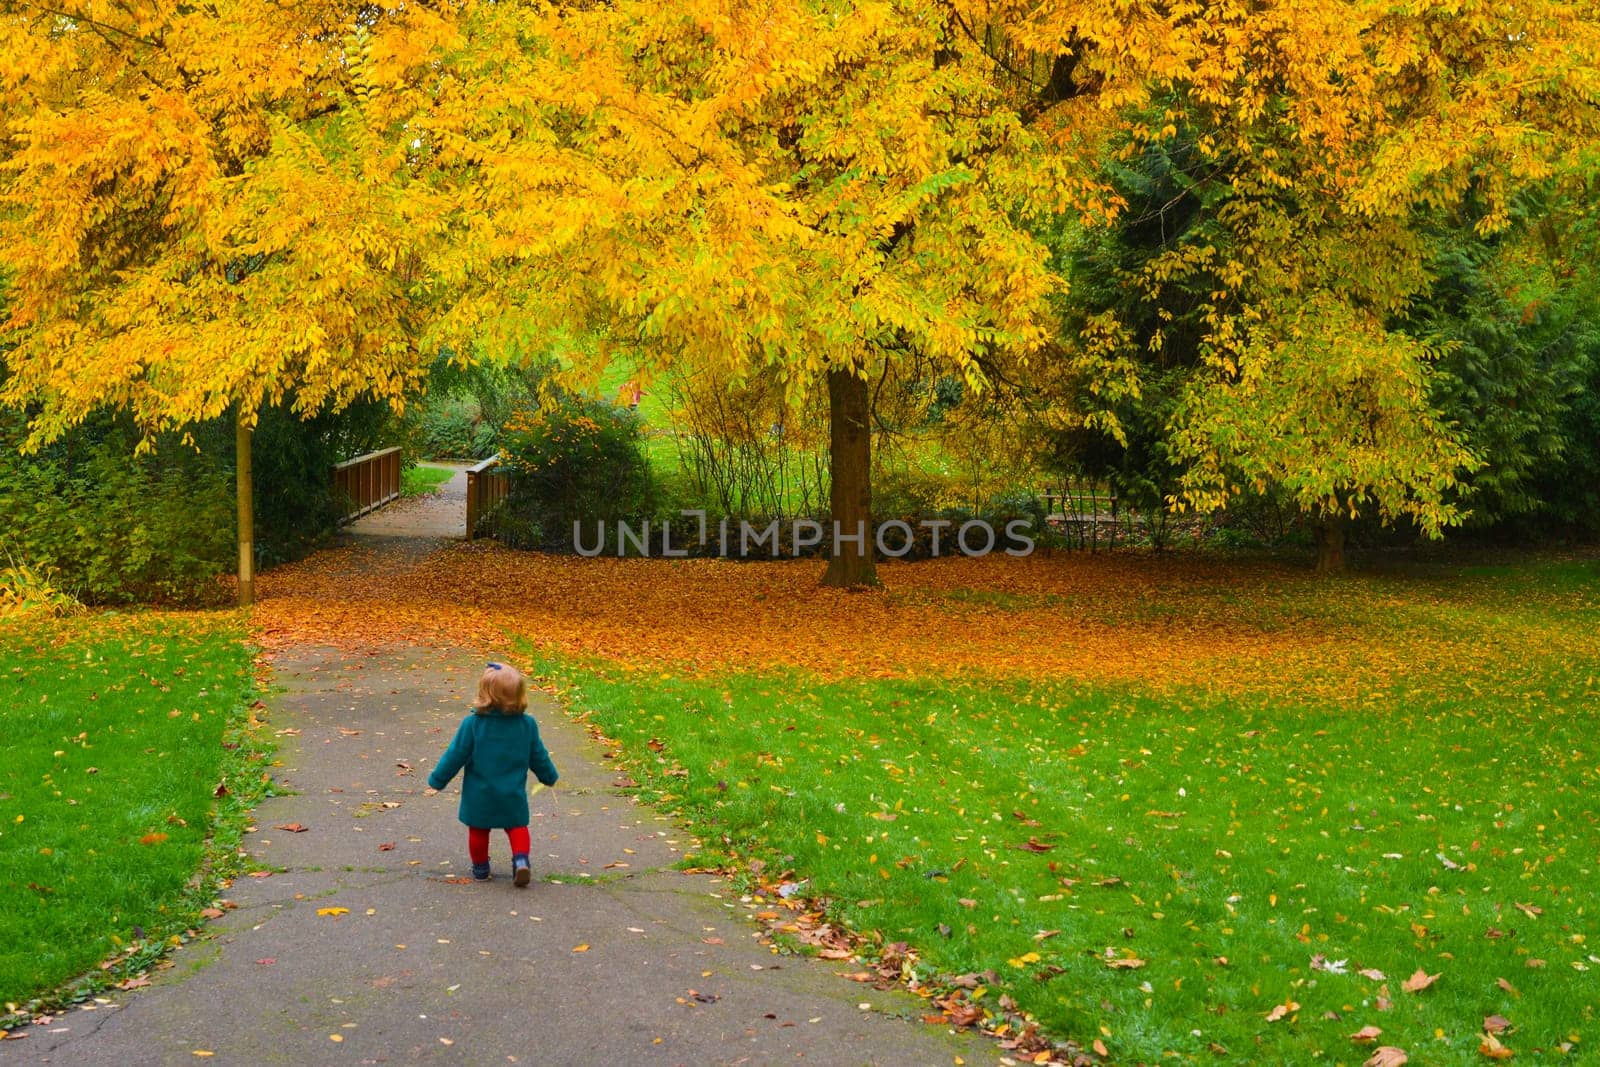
503, 689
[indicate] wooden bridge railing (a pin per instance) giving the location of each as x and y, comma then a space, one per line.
367, 482
487, 487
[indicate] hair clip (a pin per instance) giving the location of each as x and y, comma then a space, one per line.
496, 666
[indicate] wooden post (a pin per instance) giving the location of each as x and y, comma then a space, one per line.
244, 480
486, 487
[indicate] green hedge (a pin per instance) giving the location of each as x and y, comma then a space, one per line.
579, 460
160, 528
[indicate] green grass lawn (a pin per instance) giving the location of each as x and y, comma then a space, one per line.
420, 480
1250, 851
112, 733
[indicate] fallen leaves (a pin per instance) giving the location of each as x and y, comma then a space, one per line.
710, 616
1387, 1056
1282, 1011
1491, 1047
1419, 981
148, 839
1366, 1035
334, 911
292, 827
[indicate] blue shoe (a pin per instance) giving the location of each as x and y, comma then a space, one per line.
522, 873
480, 871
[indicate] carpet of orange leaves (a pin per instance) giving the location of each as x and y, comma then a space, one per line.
1107, 617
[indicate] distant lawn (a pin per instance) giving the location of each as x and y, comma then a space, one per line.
111, 747
1445, 818
420, 480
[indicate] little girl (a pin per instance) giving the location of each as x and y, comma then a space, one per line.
498, 744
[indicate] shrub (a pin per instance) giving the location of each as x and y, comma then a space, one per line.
453, 427
27, 590
115, 528
467, 405
118, 529
580, 460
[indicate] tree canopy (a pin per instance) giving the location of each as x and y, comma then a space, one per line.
199, 214
241, 204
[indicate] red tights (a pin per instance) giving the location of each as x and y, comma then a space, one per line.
478, 842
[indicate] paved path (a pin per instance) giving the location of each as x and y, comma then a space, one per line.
424, 967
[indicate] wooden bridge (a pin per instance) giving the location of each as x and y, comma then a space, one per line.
370, 486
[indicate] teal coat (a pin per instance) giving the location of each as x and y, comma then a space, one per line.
497, 751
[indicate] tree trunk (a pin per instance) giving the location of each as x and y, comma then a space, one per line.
850, 484
1330, 544
244, 479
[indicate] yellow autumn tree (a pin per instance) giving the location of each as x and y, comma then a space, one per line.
827, 187
199, 216
239, 203
832, 187
1351, 128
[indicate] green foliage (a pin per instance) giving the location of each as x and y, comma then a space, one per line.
467, 404
453, 427
1520, 337
576, 459
160, 528
1144, 326
912, 495
295, 507
118, 529
1460, 402
745, 449
1569, 491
